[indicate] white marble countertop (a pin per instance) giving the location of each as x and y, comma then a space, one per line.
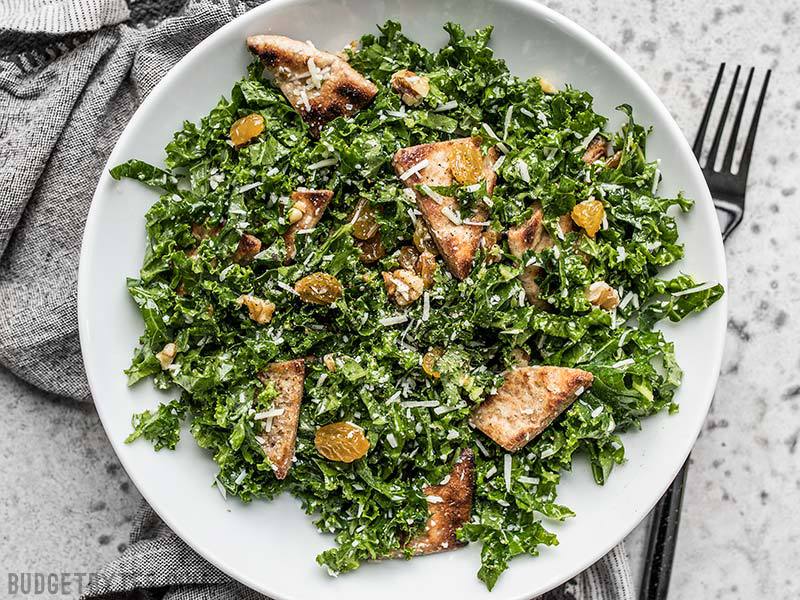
65, 503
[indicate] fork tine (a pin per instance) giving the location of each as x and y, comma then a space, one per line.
728, 160
697, 148
744, 166
712, 153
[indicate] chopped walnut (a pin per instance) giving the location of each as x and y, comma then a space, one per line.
260, 310
403, 286
249, 246
613, 162
547, 87
603, 295
167, 355
412, 88
595, 151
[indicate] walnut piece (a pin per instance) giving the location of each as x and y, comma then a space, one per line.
249, 246
547, 87
602, 295
403, 286
260, 310
412, 88
167, 355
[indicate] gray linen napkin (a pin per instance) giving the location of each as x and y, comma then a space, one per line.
71, 74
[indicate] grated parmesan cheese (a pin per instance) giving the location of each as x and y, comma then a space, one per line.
436, 197
528, 480
396, 320
499, 162
507, 471
450, 105
286, 288
426, 306
522, 169
699, 288
248, 187
272, 412
326, 162
507, 121
414, 169
419, 403
304, 100
481, 447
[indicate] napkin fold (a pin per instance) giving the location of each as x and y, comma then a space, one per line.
72, 72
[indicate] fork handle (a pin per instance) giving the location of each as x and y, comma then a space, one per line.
662, 537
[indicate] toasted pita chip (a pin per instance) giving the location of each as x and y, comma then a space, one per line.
449, 507
321, 86
457, 243
288, 378
527, 402
312, 203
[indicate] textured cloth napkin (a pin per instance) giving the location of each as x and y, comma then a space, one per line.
71, 74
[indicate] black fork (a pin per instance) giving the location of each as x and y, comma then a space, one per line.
728, 190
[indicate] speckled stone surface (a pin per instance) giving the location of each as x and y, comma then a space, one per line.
65, 503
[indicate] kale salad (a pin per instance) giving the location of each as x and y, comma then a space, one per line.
408, 288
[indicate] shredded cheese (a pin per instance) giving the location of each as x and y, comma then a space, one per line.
436, 197
426, 306
414, 169
699, 288
522, 169
396, 320
450, 105
507, 121
326, 162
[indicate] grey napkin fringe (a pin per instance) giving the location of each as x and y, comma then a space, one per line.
72, 72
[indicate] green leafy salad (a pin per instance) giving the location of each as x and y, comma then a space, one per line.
346, 326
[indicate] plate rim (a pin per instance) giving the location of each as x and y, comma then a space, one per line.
703, 202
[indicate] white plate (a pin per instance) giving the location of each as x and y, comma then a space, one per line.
271, 546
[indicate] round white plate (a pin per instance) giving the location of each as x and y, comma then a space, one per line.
271, 546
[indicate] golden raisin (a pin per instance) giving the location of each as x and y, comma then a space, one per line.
247, 128
489, 239
319, 288
422, 238
466, 163
589, 214
372, 250
426, 268
365, 225
342, 442
429, 361
408, 257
